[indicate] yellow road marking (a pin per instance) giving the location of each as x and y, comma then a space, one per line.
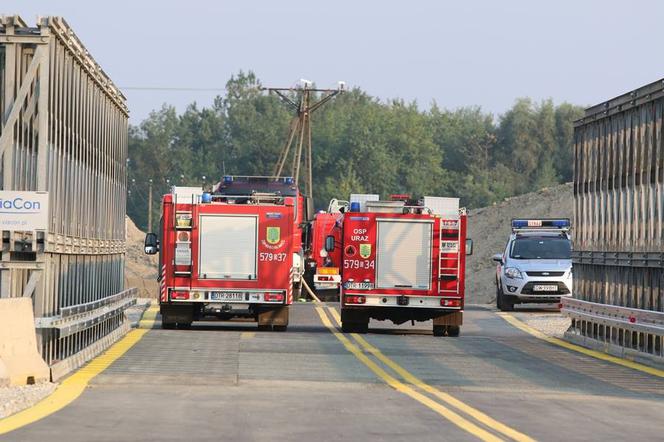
592, 353
448, 414
446, 397
149, 316
247, 335
72, 387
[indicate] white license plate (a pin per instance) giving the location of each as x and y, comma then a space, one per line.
545, 288
359, 285
221, 296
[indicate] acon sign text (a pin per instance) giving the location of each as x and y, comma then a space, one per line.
22, 210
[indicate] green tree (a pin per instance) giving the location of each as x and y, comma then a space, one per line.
360, 145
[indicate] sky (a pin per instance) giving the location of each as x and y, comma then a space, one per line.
454, 53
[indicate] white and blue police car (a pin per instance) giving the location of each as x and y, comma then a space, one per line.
536, 265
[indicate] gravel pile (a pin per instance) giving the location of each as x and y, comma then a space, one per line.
489, 227
551, 324
15, 399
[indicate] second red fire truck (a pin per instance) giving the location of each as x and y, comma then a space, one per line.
403, 262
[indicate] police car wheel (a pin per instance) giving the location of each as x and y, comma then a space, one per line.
499, 297
506, 304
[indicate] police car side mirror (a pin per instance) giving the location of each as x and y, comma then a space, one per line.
151, 245
329, 243
498, 258
469, 246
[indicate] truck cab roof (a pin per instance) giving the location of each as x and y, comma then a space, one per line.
247, 186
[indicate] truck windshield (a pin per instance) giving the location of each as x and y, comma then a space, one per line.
541, 248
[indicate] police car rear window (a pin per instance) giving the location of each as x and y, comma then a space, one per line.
541, 248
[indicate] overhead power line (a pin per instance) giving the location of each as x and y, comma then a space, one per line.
184, 89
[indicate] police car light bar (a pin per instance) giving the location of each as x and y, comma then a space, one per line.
541, 224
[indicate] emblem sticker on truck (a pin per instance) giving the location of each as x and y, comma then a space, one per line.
350, 251
365, 250
273, 239
273, 235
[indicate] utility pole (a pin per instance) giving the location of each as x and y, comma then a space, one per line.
150, 205
304, 101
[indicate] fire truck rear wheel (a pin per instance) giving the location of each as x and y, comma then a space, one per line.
439, 330
280, 328
167, 322
355, 327
348, 327
264, 327
453, 330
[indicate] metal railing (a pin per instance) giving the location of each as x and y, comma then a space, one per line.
83, 317
622, 331
64, 131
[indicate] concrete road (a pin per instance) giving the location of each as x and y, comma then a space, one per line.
221, 381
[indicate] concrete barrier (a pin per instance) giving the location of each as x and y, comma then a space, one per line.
20, 362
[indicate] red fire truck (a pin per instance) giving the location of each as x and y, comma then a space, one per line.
323, 267
404, 263
228, 253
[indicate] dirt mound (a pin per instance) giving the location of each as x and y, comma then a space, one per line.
489, 227
140, 269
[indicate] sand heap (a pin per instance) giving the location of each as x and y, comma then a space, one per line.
489, 227
140, 269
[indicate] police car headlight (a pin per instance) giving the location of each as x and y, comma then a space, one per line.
513, 273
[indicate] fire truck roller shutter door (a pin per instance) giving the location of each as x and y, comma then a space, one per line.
404, 254
228, 246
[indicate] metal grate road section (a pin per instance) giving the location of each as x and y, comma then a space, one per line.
63, 131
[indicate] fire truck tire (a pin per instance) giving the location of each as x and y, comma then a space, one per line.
355, 327
353, 321
453, 330
167, 322
184, 325
348, 327
264, 327
439, 330
280, 328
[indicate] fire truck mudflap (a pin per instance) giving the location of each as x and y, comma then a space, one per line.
403, 264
